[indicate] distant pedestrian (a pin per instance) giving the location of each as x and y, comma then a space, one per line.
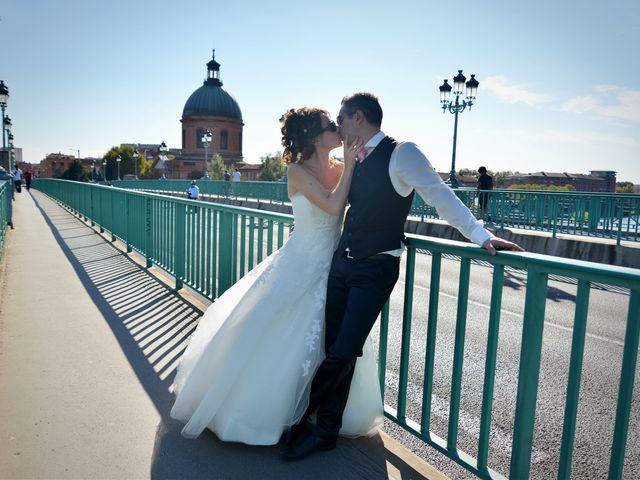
227, 176
485, 183
193, 191
17, 178
27, 179
236, 175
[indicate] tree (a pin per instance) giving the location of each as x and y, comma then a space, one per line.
127, 164
625, 187
216, 167
273, 167
77, 172
537, 186
469, 172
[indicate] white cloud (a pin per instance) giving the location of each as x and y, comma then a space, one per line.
513, 93
579, 105
610, 101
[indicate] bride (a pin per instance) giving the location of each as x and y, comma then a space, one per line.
247, 371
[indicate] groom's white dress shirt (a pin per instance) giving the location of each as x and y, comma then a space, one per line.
410, 170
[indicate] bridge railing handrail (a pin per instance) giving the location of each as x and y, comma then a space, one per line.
209, 246
6, 190
596, 214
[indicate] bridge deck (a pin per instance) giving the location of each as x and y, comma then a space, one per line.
89, 342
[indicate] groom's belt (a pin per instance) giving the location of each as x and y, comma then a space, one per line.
378, 256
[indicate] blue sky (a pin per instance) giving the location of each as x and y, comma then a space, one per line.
559, 80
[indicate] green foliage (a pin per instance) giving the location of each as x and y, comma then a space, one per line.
273, 167
77, 172
468, 172
625, 187
536, 186
126, 164
498, 177
216, 167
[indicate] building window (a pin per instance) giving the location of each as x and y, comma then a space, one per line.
240, 142
224, 140
188, 164
199, 134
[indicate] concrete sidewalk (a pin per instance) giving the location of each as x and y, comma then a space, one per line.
89, 341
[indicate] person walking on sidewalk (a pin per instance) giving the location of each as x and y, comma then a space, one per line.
17, 178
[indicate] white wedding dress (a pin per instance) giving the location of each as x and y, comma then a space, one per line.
247, 370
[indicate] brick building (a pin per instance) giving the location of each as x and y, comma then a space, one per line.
596, 181
210, 108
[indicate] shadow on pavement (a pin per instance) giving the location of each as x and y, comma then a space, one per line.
152, 325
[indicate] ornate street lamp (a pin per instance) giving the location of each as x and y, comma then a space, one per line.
104, 170
456, 108
206, 139
11, 153
136, 154
4, 99
118, 160
163, 158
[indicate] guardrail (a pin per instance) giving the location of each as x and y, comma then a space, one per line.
604, 215
209, 246
6, 190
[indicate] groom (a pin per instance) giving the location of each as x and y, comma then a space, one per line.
366, 264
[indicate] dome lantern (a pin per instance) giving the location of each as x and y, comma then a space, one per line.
213, 71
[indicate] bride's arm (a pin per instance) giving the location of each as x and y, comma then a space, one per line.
332, 202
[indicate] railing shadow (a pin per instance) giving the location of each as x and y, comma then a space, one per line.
152, 325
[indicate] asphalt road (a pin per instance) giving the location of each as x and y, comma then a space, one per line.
599, 390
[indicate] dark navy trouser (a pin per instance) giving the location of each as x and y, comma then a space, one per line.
356, 292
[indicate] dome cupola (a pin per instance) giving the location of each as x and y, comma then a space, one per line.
211, 99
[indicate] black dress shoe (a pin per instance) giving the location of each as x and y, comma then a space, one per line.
290, 436
305, 446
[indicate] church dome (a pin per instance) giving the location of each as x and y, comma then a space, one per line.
211, 99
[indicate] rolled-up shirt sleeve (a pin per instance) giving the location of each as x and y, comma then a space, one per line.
410, 170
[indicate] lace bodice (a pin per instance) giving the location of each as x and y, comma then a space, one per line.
314, 228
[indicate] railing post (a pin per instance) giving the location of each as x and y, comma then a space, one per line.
126, 222
225, 252
179, 245
148, 247
528, 375
625, 392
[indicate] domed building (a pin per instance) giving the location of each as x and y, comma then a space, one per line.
209, 108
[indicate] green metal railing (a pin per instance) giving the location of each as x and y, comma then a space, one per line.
538, 269
193, 241
604, 215
209, 246
5, 211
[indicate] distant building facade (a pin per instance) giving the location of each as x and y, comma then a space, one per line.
596, 181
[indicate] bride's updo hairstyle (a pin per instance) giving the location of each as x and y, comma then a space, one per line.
299, 128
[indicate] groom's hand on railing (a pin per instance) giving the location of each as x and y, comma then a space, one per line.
494, 244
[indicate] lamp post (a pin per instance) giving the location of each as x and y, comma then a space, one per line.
163, 157
4, 99
206, 139
456, 108
104, 170
136, 154
7, 128
118, 160
10, 151
93, 171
